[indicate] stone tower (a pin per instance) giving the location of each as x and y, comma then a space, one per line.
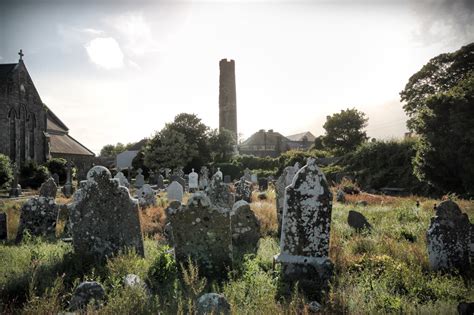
227, 97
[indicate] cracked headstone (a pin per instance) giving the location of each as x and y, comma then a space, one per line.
104, 218
283, 181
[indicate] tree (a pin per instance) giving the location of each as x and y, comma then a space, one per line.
6, 171
440, 103
111, 150
221, 145
344, 131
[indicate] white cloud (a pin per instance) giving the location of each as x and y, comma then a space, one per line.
136, 33
105, 52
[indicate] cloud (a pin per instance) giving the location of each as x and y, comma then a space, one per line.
136, 33
105, 52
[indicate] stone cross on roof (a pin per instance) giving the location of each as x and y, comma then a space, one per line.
21, 54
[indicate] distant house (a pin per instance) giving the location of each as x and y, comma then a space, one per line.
124, 159
301, 141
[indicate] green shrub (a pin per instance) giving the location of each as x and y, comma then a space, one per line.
58, 166
163, 272
32, 175
6, 172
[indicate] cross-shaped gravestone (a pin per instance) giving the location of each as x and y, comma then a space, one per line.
67, 189
193, 181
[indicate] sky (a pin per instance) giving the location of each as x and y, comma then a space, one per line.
117, 71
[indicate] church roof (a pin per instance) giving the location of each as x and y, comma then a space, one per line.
263, 137
65, 144
299, 136
6, 69
54, 123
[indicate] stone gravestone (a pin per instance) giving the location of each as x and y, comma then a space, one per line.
450, 238
219, 174
167, 173
245, 230
219, 193
283, 181
3, 226
254, 179
151, 178
123, 181
15, 191
175, 191
306, 224
104, 218
193, 181
56, 178
179, 180
227, 179
39, 215
139, 179
146, 196
201, 231
262, 184
204, 179
357, 221
68, 189
160, 181
247, 175
243, 190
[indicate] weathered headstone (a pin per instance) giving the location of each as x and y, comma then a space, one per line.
38, 216
67, 188
151, 177
306, 223
245, 230
3, 226
15, 190
178, 171
175, 191
204, 179
167, 173
202, 232
220, 193
247, 175
146, 196
357, 221
283, 181
450, 238
219, 174
104, 218
193, 181
213, 303
123, 181
88, 292
227, 179
179, 180
139, 179
243, 190
160, 181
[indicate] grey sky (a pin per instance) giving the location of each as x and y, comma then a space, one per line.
117, 71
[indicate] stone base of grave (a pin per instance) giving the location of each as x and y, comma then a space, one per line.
311, 273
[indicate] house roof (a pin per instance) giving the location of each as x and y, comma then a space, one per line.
6, 69
263, 137
299, 136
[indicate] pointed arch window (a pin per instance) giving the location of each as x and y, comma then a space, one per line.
12, 134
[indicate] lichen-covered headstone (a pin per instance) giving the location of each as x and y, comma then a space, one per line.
193, 181
450, 238
245, 230
38, 216
283, 181
104, 218
146, 196
202, 232
204, 178
139, 179
175, 191
213, 303
306, 223
220, 193
3, 226
88, 292
243, 190
48, 188
123, 181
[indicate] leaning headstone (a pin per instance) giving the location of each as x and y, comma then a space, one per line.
245, 230
3, 226
104, 218
450, 238
357, 221
38, 216
202, 232
88, 292
283, 181
227, 179
139, 179
175, 191
204, 178
220, 193
243, 190
123, 181
213, 303
146, 196
306, 224
193, 181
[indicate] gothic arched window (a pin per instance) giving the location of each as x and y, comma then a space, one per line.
12, 133
31, 136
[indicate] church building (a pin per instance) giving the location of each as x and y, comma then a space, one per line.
29, 130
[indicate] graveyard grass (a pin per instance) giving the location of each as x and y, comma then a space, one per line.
384, 271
